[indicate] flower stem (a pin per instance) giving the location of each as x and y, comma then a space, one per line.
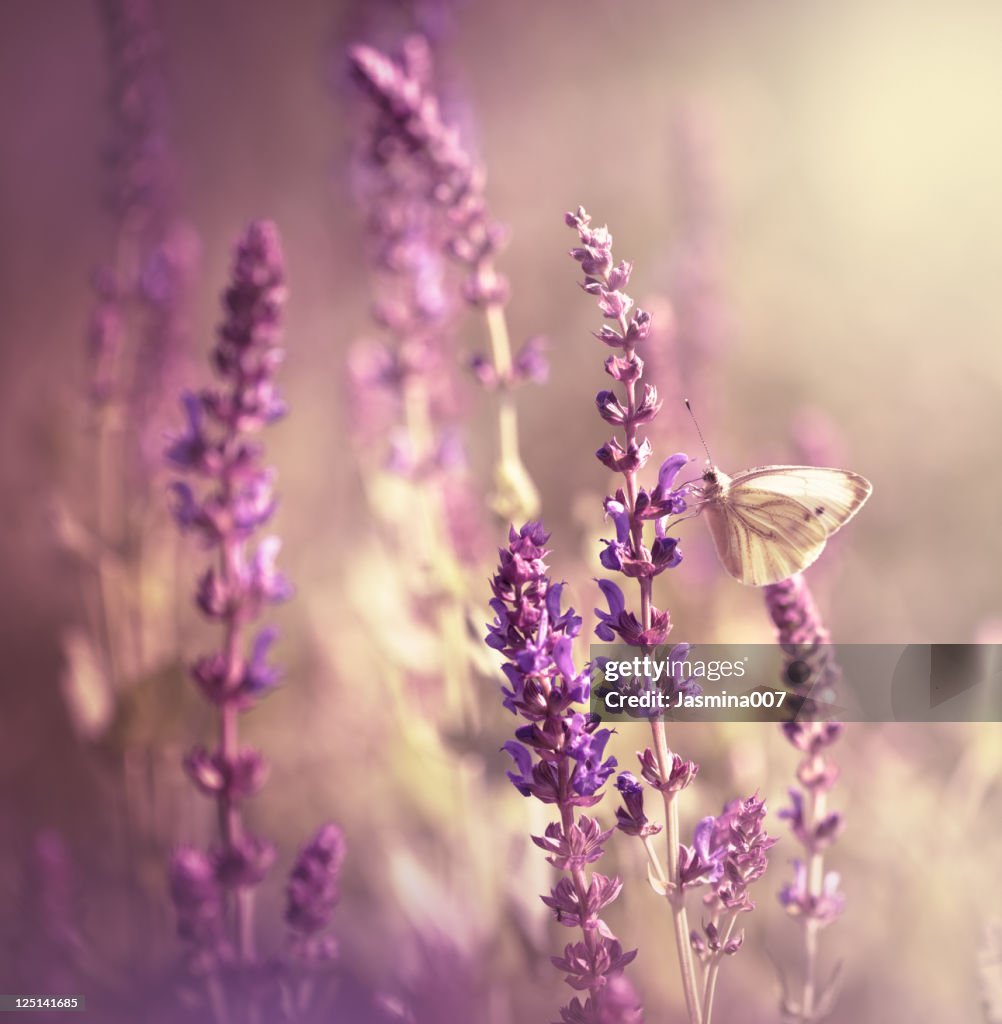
230, 823
713, 970
497, 326
103, 531
578, 873
515, 495
676, 900
816, 801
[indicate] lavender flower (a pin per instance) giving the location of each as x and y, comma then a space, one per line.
311, 895
739, 831
136, 345
155, 251
810, 669
198, 903
728, 852
137, 150
559, 759
213, 890
630, 508
414, 121
237, 501
812, 896
411, 123
728, 855
166, 270
407, 390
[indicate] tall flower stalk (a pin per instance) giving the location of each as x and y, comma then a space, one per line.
140, 291
407, 403
812, 896
218, 447
408, 387
402, 236
311, 895
136, 345
559, 756
213, 891
630, 508
729, 852
413, 123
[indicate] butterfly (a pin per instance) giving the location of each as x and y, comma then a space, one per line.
771, 522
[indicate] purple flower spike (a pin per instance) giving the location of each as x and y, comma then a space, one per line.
632, 505
728, 852
236, 499
198, 903
405, 392
213, 892
810, 666
412, 119
312, 894
445, 187
147, 288
805, 642
559, 757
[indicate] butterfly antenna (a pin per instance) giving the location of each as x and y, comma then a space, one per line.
698, 431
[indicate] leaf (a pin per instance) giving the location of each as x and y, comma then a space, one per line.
656, 884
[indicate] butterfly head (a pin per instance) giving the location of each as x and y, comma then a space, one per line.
714, 482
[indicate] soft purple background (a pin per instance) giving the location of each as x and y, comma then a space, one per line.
857, 164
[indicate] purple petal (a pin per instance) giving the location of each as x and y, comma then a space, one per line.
562, 658
616, 511
614, 596
670, 469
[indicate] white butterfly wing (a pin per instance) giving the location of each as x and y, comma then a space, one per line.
771, 522
833, 496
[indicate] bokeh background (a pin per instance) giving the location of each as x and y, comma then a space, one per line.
819, 180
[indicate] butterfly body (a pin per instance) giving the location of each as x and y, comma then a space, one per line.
771, 522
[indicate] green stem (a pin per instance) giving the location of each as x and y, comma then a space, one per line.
710, 987
676, 897
516, 496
